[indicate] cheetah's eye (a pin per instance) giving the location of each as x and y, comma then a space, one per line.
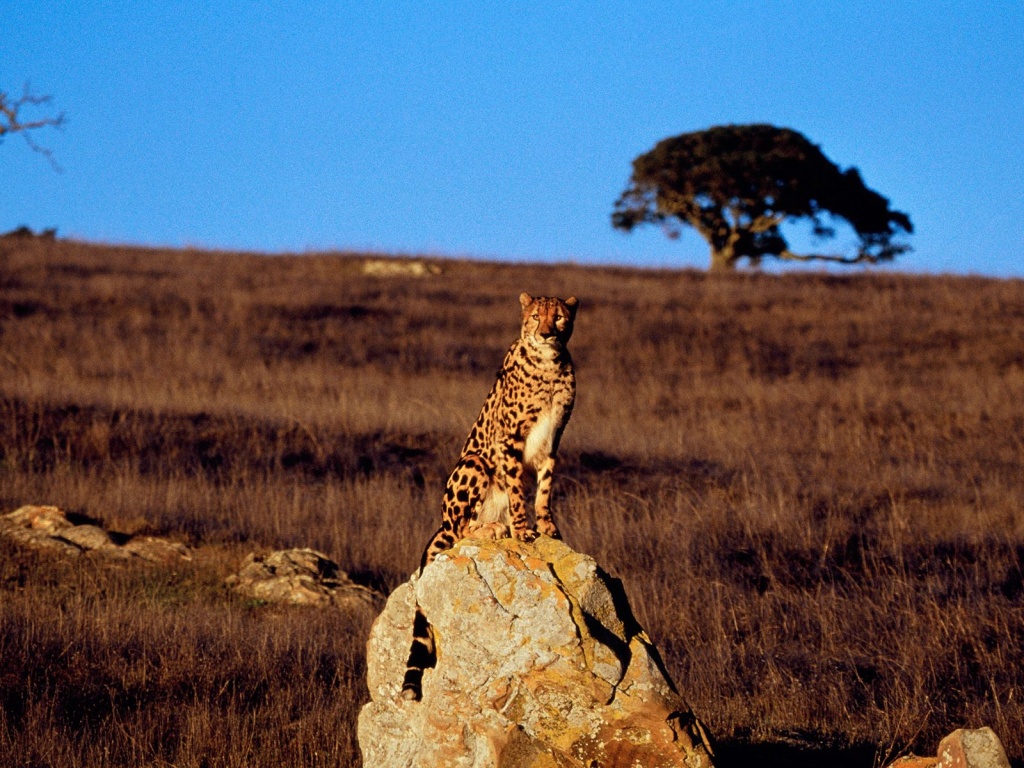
535, 316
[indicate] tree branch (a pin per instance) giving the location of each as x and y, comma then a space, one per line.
11, 120
860, 258
765, 223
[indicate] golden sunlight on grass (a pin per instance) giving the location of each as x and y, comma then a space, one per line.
810, 485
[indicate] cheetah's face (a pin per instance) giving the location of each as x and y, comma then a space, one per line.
547, 322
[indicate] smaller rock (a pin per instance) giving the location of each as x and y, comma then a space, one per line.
301, 577
156, 550
38, 527
48, 528
913, 761
44, 519
963, 748
978, 748
399, 268
87, 537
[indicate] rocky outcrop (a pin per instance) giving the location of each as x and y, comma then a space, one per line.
293, 576
539, 663
301, 577
977, 748
49, 528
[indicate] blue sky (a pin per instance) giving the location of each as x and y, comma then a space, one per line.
499, 130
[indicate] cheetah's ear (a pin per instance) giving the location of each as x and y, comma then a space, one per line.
573, 304
525, 300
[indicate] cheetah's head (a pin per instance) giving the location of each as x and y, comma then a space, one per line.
547, 322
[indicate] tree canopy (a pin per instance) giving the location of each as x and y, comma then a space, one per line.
736, 185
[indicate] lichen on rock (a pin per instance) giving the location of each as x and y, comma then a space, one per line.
540, 662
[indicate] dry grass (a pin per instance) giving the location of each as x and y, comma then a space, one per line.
811, 486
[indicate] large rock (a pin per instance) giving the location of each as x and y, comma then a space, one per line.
540, 663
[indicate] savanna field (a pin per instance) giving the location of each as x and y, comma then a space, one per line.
811, 485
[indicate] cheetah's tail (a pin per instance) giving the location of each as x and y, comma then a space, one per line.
422, 655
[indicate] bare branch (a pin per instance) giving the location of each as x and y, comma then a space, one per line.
860, 258
12, 120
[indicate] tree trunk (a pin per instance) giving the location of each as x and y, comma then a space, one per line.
723, 259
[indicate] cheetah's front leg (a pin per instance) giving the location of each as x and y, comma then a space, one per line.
513, 470
542, 504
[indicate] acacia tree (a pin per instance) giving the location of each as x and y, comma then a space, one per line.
736, 184
12, 119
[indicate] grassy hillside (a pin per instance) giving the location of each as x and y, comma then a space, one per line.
811, 486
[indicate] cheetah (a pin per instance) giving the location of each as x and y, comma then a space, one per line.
519, 429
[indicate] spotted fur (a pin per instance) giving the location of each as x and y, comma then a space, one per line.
518, 431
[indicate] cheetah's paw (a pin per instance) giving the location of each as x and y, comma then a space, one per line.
489, 531
548, 528
526, 535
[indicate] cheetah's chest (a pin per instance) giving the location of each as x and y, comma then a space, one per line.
541, 438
